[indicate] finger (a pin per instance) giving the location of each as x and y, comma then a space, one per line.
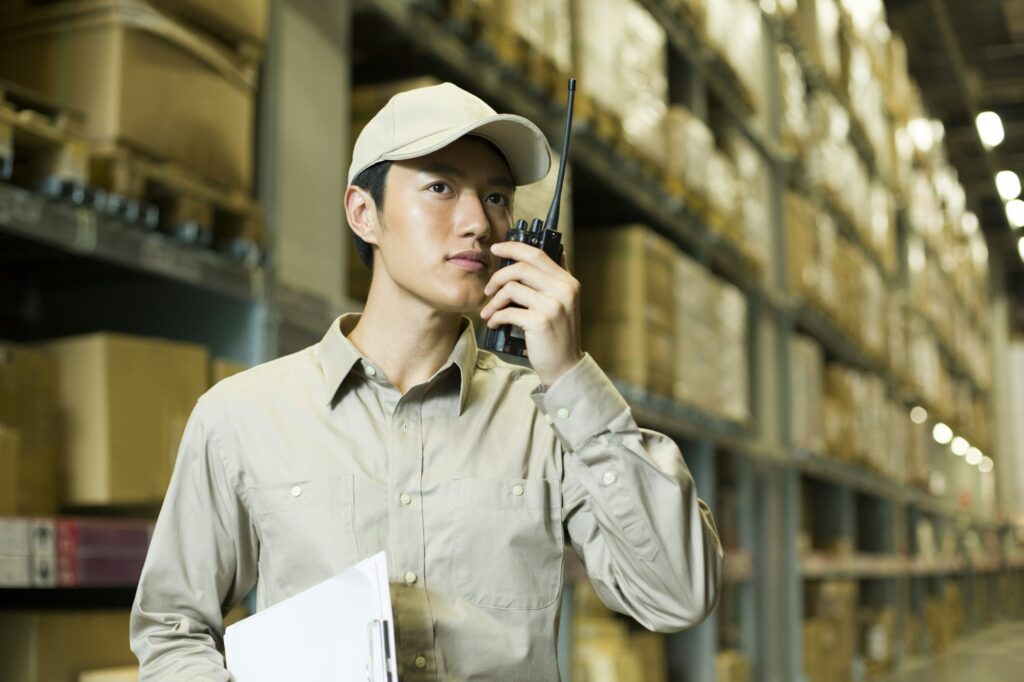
525, 253
559, 285
520, 294
520, 317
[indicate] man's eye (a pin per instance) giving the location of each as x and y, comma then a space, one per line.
499, 199
439, 187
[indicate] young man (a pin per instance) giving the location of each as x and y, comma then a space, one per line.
397, 433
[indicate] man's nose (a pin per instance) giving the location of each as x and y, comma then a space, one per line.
472, 219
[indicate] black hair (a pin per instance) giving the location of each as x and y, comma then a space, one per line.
371, 179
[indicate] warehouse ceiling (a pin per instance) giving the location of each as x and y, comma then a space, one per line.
968, 57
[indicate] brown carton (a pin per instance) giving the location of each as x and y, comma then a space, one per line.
55, 646
126, 400
142, 79
28, 403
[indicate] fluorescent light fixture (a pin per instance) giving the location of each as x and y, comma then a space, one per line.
974, 452
1015, 212
942, 433
922, 133
969, 223
1008, 185
974, 457
985, 465
918, 415
990, 129
1020, 247
960, 446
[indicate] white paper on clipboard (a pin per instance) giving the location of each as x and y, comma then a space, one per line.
341, 629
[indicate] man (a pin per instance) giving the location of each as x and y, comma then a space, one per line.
396, 432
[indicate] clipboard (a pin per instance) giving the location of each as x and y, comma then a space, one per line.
340, 629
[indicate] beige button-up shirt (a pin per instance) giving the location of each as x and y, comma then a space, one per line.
472, 482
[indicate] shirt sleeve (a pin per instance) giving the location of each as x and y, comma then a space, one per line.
201, 562
649, 544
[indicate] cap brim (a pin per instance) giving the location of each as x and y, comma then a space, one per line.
525, 148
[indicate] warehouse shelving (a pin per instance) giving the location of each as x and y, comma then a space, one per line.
764, 569
79, 230
64, 598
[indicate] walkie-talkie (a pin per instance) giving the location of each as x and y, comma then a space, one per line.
544, 235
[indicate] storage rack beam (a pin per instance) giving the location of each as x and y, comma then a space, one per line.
82, 232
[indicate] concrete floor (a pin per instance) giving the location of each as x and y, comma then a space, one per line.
993, 655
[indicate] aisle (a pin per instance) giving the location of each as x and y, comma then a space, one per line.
994, 655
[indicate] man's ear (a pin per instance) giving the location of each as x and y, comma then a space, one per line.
361, 212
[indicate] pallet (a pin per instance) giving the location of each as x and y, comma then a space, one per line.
190, 208
41, 147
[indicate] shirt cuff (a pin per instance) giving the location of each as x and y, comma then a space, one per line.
580, 404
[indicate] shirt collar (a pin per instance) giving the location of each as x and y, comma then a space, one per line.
338, 356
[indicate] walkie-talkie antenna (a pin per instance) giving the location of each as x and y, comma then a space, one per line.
552, 220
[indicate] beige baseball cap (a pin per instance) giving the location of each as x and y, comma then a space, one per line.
418, 122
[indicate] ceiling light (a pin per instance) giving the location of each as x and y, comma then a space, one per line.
1020, 247
942, 433
960, 446
985, 465
1008, 185
918, 415
921, 133
990, 128
974, 457
1015, 212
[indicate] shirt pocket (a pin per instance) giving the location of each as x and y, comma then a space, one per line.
305, 530
508, 550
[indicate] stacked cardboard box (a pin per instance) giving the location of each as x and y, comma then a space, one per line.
753, 198
620, 55
627, 274
807, 386
878, 641
817, 24
690, 144
544, 25
51, 646
143, 79
10, 448
730, 369
793, 92
830, 630
695, 348
222, 368
734, 31
801, 219
126, 400
723, 191
732, 665
606, 650
28, 405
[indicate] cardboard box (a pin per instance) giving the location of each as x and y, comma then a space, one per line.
232, 20
127, 400
222, 368
28, 403
125, 674
637, 353
807, 383
694, 375
10, 447
55, 646
142, 79
731, 666
731, 367
689, 143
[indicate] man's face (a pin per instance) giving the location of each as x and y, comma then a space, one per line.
441, 212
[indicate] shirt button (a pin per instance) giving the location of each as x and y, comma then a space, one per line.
563, 413
517, 490
410, 577
420, 662
406, 500
296, 491
608, 478
370, 371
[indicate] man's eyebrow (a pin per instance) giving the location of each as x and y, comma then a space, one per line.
443, 169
